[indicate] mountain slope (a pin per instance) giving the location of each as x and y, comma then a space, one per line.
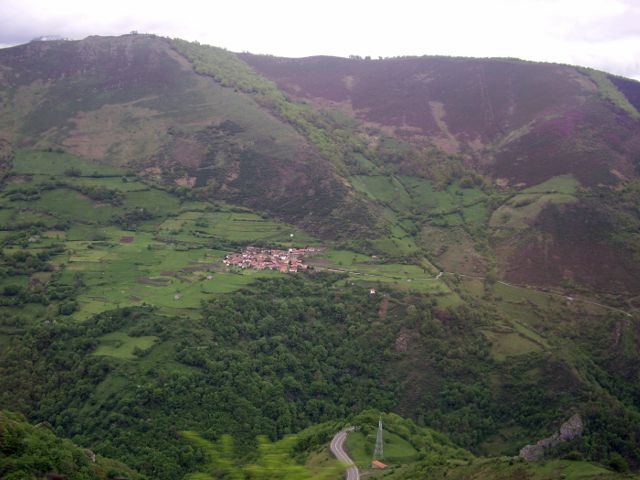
135, 101
564, 132
521, 122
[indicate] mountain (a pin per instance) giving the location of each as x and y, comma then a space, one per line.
135, 101
519, 123
461, 241
522, 123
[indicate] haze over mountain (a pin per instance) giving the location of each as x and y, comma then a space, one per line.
476, 267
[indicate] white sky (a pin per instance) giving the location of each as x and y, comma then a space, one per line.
603, 34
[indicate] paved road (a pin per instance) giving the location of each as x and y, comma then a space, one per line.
337, 448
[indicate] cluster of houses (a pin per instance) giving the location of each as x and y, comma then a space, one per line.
286, 261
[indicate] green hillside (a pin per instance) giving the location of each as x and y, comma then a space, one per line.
33, 452
480, 297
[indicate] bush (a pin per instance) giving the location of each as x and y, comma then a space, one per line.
574, 455
73, 172
618, 463
67, 308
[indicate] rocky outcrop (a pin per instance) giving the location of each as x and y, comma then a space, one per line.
569, 430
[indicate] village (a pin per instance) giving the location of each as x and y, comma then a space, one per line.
286, 261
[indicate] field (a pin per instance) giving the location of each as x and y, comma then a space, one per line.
521, 211
373, 271
168, 256
122, 242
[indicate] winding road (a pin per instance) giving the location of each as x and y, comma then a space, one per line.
337, 448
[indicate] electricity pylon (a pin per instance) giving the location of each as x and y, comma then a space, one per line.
378, 453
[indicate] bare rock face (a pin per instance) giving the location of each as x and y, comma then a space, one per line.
572, 428
569, 430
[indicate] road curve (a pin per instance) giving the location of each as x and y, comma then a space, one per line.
337, 448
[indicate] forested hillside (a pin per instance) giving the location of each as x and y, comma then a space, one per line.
30, 452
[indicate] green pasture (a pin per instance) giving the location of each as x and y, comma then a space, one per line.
385, 189
232, 226
363, 268
111, 183
523, 208
427, 198
397, 450
70, 205
561, 184
117, 273
508, 344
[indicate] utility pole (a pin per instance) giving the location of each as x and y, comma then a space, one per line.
378, 453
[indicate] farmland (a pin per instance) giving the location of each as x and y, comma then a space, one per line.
121, 242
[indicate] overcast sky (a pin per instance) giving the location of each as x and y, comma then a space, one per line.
603, 34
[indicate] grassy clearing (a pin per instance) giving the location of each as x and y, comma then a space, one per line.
111, 183
561, 184
512, 294
521, 210
121, 345
426, 197
397, 450
233, 226
71, 206
387, 190
453, 249
504, 345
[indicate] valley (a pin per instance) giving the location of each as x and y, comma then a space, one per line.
222, 244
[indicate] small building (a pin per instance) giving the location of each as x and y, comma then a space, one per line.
378, 464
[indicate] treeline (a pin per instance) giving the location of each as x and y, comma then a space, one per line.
94, 192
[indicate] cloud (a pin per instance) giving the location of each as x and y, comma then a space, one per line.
602, 34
